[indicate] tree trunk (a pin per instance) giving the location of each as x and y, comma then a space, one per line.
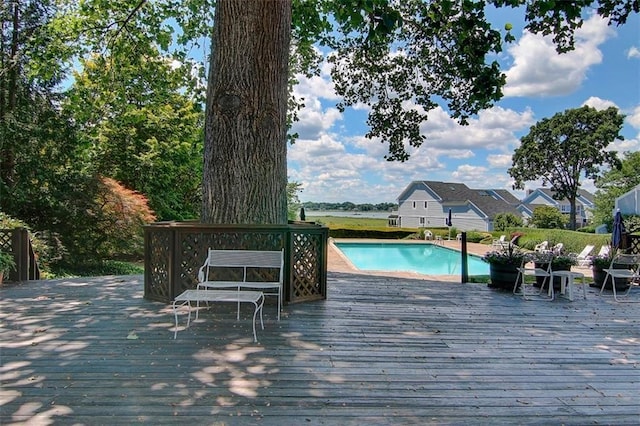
9, 88
245, 155
572, 213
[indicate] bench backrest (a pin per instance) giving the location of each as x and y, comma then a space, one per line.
245, 259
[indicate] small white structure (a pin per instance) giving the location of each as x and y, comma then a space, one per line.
629, 202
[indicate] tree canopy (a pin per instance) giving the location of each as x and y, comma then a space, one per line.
563, 149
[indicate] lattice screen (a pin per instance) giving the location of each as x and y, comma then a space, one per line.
174, 254
306, 267
5, 240
157, 279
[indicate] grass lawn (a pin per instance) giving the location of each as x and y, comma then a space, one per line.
332, 222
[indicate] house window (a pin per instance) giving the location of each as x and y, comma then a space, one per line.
414, 204
565, 208
425, 205
422, 221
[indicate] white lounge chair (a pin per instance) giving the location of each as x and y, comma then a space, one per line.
584, 257
604, 251
542, 247
500, 242
557, 249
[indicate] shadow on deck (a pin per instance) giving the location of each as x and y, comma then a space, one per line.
379, 350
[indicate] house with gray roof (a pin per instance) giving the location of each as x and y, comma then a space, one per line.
425, 204
585, 203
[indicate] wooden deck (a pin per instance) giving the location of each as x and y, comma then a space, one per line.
379, 351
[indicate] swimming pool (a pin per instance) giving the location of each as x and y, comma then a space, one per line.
428, 259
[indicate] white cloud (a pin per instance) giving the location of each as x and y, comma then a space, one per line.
538, 70
500, 160
634, 118
598, 103
468, 173
492, 129
313, 120
633, 52
627, 145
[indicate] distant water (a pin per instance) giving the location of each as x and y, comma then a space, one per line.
341, 213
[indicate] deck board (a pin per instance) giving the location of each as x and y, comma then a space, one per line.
380, 350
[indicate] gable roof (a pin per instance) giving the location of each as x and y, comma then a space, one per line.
488, 201
507, 196
583, 196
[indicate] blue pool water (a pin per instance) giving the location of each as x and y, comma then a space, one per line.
428, 259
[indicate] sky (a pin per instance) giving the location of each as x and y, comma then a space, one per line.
334, 162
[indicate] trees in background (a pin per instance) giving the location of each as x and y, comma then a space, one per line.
141, 128
565, 148
548, 217
504, 221
131, 124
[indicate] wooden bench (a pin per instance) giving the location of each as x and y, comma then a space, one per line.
189, 296
243, 260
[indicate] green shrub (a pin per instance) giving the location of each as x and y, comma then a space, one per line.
504, 221
112, 228
6, 263
390, 233
548, 217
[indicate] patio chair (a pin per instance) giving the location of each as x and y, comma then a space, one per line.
524, 271
630, 271
500, 242
542, 247
584, 257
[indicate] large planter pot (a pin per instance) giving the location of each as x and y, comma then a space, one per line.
599, 276
503, 276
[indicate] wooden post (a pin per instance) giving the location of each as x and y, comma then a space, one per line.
465, 266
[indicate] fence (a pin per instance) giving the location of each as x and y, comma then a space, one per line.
175, 250
17, 242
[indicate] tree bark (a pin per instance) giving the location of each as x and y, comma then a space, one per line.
9, 88
245, 154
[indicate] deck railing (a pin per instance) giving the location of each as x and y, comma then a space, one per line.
174, 251
18, 243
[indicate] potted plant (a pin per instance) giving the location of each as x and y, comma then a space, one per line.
503, 264
599, 264
6, 264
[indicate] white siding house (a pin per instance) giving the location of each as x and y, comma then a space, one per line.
544, 197
629, 202
425, 204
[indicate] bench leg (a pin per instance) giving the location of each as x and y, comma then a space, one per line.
255, 313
